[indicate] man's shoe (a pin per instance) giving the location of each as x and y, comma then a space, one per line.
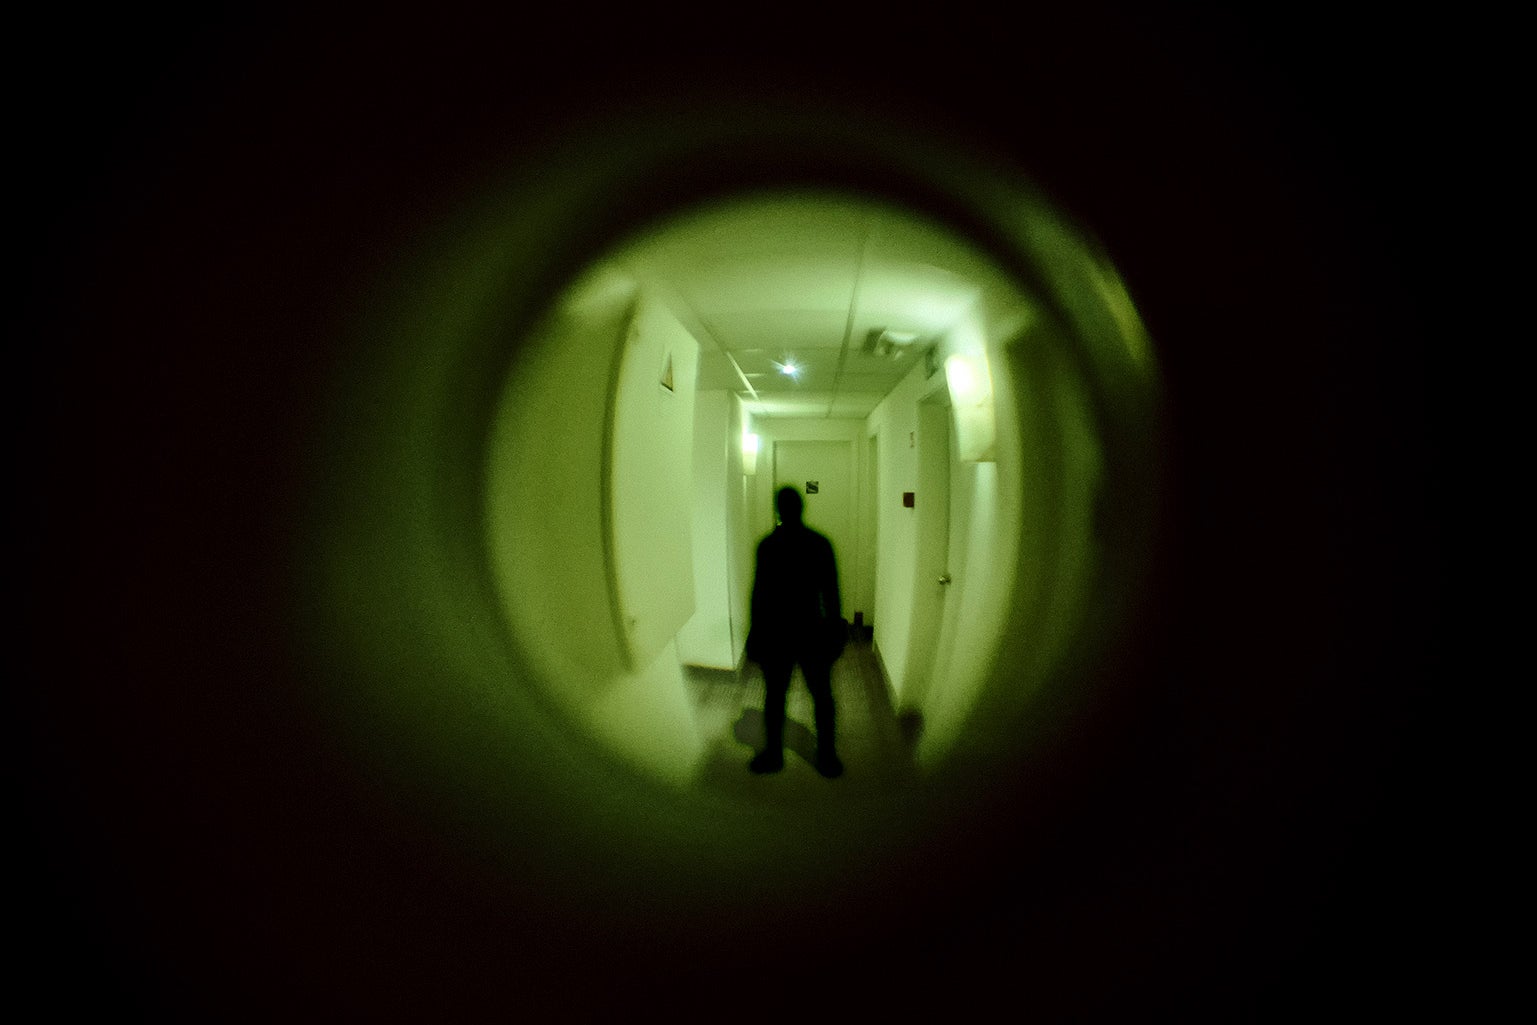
767, 761
829, 765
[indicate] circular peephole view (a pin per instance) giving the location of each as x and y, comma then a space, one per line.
712, 530
800, 485
561, 520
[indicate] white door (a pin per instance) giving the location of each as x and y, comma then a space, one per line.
871, 547
823, 472
931, 504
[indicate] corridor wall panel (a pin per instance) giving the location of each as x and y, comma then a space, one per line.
741, 542
544, 502
587, 507
649, 488
705, 639
895, 421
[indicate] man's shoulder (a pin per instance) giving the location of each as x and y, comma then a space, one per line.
818, 541
798, 539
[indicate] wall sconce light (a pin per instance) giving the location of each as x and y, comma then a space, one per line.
749, 454
971, 402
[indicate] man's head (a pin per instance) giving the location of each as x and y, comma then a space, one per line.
788, 503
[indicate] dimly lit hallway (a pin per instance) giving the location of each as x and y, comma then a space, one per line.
283, 756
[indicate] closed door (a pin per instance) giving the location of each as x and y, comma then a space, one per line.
932, 581
823, 472
870, 583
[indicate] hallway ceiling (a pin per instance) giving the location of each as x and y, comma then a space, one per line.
811, 281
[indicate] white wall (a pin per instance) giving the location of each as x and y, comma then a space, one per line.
989, 519
931, 549
650, 481
1030, 518
895, 423
741, 542
705, 639
1061, 466
984, 539
985, 528
545, 499
716, 634
595, 600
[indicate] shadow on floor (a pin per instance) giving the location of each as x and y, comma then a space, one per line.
798, 736
875, 744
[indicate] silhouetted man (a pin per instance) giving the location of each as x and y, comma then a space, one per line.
796, 617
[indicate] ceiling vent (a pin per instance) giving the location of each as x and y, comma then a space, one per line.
882, 341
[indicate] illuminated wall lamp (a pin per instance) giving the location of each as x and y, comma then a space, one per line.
749, 454
971, 403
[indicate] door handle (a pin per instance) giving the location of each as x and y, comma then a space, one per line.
944, 578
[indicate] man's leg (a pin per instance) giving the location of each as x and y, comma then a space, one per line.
819, 682
776, 684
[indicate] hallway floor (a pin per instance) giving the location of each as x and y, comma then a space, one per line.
876, 753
